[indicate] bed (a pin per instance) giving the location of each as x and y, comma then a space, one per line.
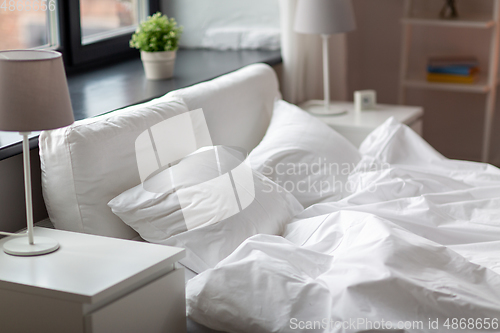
287, 226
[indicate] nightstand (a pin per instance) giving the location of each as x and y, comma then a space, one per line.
93, 284
356, 127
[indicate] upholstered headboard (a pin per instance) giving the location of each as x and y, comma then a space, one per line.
237, 106
87, 164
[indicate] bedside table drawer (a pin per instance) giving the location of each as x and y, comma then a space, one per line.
92, 284
143, 310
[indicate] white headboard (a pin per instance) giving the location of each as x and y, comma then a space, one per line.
237, 106
87, 164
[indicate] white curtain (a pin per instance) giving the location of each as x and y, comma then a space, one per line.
302, 63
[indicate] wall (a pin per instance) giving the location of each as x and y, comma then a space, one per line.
374, 49
12, 208
453, 121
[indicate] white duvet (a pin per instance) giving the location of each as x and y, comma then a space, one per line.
415, 248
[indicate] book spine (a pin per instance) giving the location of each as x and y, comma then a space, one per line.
456, 70
447, 78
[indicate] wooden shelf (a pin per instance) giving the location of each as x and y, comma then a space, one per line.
484, 16
472, 21
419, 81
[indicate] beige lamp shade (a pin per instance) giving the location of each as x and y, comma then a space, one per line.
34, 92
325, 17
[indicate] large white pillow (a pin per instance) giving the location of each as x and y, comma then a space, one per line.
305, 156
90, 162
208, 203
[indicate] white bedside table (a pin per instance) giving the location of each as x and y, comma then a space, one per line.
93, 284
356, 127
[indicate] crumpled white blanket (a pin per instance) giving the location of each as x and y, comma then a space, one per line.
415, 248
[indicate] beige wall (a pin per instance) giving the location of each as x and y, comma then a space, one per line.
453, 121
12, 209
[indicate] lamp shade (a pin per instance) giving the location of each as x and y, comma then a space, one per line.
34, 92
324, 17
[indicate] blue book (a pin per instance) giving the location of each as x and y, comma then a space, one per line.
456, 70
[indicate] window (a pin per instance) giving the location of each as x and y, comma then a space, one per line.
101, 19
85, 31
102, 28
28, 24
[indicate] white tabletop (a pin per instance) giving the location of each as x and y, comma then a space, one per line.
371, 118
86, 268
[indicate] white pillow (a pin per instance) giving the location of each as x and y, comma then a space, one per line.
208, 203
92, 161
305, 156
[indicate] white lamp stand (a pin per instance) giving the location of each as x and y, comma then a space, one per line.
27, 244
34, 96
323, 107
325, 18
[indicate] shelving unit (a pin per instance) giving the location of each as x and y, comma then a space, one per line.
473, 21
419, 80
424, 14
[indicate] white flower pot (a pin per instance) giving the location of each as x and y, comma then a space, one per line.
158, 65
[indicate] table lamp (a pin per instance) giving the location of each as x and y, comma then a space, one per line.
325, 18
33, 97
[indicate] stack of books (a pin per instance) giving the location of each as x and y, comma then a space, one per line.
452, 69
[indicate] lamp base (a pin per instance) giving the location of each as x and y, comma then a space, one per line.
20, 246
317, 107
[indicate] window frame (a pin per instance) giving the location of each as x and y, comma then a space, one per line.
52, 25
107, 50
53, 28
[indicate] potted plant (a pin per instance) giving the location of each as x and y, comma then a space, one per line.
158, 39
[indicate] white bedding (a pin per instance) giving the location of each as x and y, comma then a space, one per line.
416, 245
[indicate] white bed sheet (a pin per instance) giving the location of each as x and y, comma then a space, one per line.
417, 244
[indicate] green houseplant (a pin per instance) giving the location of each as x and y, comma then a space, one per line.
158, 40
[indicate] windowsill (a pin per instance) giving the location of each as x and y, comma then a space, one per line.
124, 84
